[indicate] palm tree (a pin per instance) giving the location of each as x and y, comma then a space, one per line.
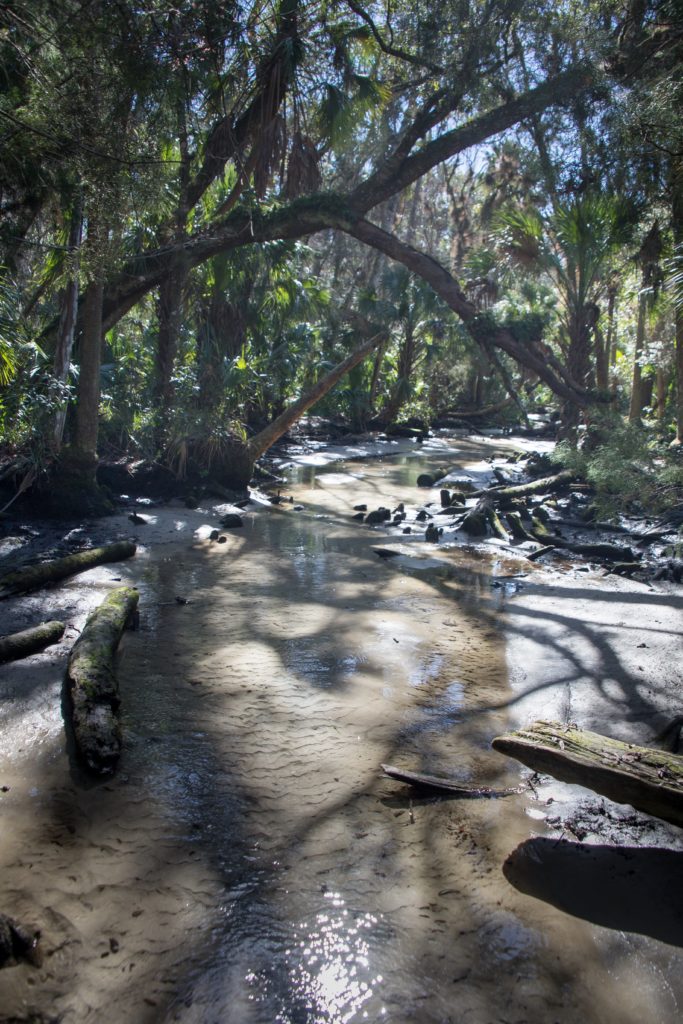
574, 245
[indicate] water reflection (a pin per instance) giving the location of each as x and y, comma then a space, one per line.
329, 967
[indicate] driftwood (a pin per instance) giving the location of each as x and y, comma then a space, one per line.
92, 682
608, 552
441, 784
34, 576
18, 943
28, 641
539, 552
649, 780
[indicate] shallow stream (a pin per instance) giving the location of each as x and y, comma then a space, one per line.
248, 863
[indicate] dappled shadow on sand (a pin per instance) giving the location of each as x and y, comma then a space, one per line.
580, 663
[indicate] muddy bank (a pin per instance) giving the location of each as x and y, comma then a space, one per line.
248, 862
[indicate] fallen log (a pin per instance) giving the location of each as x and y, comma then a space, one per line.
444, 785
545, 485
28, 641
647, 779
34, 576
601, 551
92, 682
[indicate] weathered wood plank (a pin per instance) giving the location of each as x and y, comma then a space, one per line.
647, 779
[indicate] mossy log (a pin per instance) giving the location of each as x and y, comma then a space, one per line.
92, 682
28, 641
647, 779
545, 485
34, 576
601, 551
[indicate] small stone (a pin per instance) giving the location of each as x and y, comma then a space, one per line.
231, 521
379, 516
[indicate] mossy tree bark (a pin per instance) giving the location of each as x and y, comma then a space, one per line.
649, 780
28, 641
677, 224
648, 258
73, 484
34, 576
67, 321
92, 682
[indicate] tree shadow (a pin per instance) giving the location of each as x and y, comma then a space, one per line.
630, 889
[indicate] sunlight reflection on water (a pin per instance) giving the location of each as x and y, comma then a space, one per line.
330, 965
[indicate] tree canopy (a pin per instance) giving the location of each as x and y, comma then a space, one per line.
207, 210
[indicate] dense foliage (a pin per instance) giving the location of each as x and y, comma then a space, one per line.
206, 209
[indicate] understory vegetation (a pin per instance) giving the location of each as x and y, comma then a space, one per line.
215, 217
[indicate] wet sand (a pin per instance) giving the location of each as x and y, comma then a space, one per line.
249, 863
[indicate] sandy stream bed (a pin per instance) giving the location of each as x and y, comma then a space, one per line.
248, 862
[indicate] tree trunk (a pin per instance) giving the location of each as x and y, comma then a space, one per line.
601, 361
648, 258
169, 315
237, 463
679, 376
67, 321
637, 390
267, 437
301, 217
663, 378
611, 340
677, 225
482, 328
401, 390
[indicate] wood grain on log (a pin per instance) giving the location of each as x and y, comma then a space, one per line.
647, 779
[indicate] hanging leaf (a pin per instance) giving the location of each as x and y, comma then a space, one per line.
303, 172
268, 153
